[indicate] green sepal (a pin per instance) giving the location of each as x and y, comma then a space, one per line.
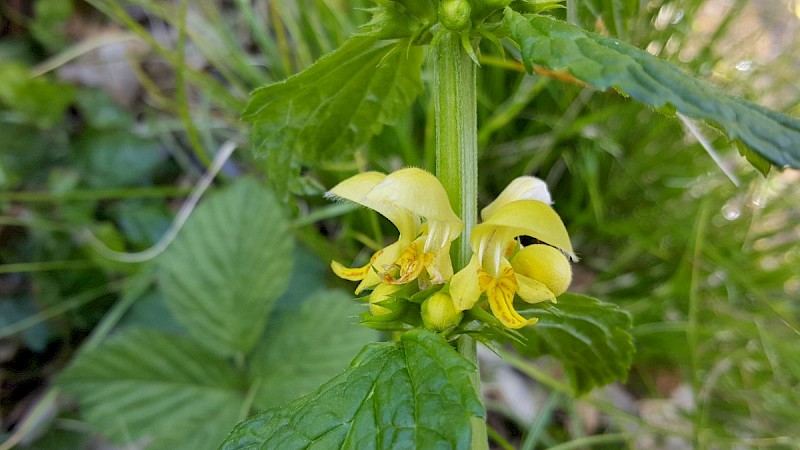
396, 307
407, 319
537, 6
487, 329
421, 296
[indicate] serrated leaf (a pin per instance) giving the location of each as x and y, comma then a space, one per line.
411, 394
147, 383
607, 63
227, 267
592, 339
333, 107
759, 162
307, 345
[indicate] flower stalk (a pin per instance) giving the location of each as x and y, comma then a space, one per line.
454, 93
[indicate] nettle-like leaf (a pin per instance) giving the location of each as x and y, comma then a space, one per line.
411, 394
227, 267
333, 107
151, 384
605, 62
305, 346
592, 339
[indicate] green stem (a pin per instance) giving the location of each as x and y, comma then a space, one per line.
454, 98
572, 12
457, 135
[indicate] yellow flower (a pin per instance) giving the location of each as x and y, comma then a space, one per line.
536, 273
417, 204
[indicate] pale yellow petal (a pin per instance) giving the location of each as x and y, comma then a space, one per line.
490, 243
531, 218
533, 291
441, 268
522, 188
381, 261
464, 286
357, 188
420, 193
544, 264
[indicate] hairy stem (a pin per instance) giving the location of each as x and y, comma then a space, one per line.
457, 165
456, 135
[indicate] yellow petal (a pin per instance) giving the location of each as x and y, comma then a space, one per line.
491, 243
501, 300
464, 286
441, 268
380, 262
533, 291
419, 192
522, 188
546, 265
529, 218
349, 273
410, 264
357, 188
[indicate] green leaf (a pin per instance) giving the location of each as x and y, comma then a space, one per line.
40, 101
227, 267
146, 383
411, 394
118, 158
14, 310
49, 24
333, 107
307, 345
592, 339
609, 63
150, 311
100, 111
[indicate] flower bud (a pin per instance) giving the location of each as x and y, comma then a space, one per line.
382, 292
546, 265
454, 14
439, 313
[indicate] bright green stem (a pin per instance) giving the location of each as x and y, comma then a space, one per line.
457, 134
457, 165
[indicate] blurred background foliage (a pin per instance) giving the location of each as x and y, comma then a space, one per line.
111, 110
